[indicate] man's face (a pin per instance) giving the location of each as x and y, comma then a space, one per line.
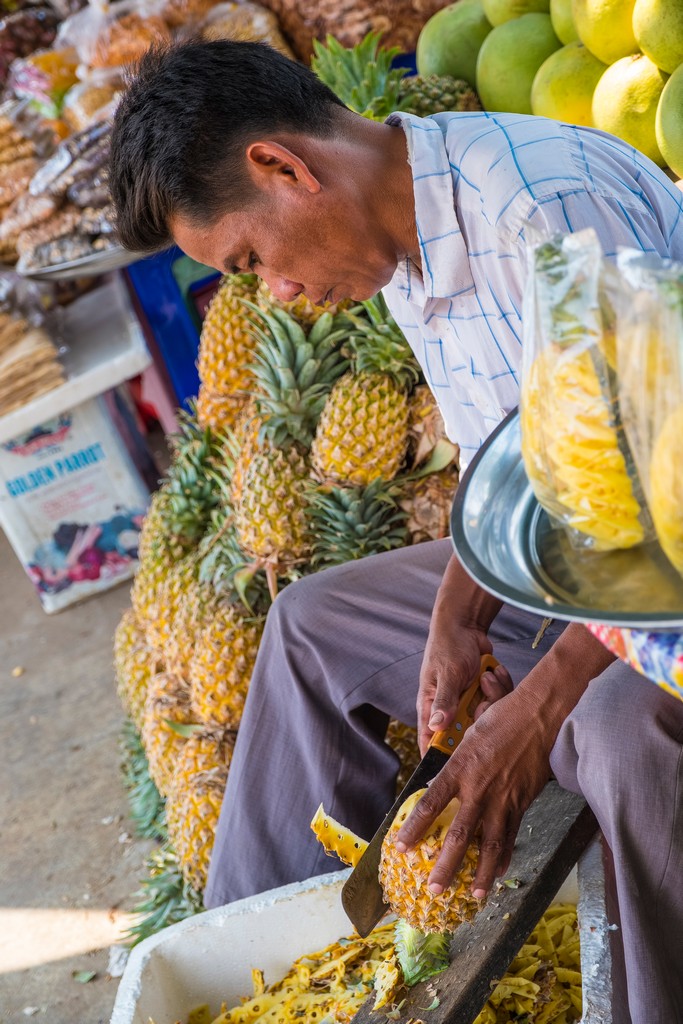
292, 254
298, 237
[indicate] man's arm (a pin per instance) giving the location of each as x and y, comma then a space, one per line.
503, 761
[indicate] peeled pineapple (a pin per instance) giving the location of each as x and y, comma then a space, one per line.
666, 488
404, 876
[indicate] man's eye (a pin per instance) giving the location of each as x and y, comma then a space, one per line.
252, 261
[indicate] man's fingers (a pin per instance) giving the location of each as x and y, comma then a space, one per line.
495, 849
455, 843
495, 684
420, 818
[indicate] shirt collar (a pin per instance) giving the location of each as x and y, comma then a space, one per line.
445, 261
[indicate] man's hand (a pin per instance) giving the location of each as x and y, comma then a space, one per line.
502, 762
457, 639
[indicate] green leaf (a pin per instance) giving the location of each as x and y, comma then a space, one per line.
83, 977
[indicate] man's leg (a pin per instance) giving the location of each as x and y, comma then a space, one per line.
340, 655
622, 748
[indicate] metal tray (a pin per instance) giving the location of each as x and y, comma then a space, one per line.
509, 546
85, 266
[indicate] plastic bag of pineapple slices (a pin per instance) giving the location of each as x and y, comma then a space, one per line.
574, 446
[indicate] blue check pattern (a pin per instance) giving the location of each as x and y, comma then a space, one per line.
479, 179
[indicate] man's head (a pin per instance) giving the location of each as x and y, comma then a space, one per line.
247, 161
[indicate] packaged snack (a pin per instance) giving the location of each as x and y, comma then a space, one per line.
84, 101
574, 447
244, 21
113, 35
44, 78
649, 303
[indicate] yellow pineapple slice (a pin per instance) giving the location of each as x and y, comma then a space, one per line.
666, 488
336, 839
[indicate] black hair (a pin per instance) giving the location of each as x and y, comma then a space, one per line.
181, 129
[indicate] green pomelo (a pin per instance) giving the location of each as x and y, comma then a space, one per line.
500, 11
625, 103
508, 61
605, 27
450, 41
669, 123
564, 85
658, 28
563, 23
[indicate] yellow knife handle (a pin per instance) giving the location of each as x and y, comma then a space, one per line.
448, 739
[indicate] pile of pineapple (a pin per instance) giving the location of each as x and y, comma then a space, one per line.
314, 441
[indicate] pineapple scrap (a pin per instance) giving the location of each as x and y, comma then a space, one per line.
543, 982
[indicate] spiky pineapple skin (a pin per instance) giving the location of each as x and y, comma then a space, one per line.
168, 700
226, 342
135, 665
271, 506
363, 431
218, 412
220, 668
423, 95
404, 876
301, 308
192, 823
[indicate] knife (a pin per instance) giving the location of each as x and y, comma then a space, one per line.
362, 896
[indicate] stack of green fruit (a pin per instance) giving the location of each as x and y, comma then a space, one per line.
315, 441
616, 65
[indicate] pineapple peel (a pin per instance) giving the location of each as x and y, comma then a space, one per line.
336, 839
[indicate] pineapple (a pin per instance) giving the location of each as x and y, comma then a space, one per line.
220, 668
135, 663
271, 509
404, 876
190, 488
427, 503
192, 608
161, 625
226, 343
351, 522
435, 94
194, 800
337, 840
193, 821
363, 430
158, 552
665, 487
294, 373
216, 411
363, 78
425, 425
167, 704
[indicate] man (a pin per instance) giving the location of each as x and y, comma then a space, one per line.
248, 163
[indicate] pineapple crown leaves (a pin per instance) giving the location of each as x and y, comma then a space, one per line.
352, 522
376, 343
145, 802
420, 956
225, 567
190, 488
362, 77
164, 897
295, 372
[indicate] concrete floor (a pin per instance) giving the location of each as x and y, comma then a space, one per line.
68, 865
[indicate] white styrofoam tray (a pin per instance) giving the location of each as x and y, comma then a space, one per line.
209, 958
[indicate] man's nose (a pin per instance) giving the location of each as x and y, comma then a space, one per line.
281, 287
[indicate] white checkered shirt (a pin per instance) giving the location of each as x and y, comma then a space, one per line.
478, 177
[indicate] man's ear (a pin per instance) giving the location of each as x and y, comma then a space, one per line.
273, 165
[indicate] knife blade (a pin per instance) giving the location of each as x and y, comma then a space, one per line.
362, 896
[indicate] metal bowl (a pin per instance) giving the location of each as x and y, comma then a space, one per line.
96, 262
509, 546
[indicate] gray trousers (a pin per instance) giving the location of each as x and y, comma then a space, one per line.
341, 654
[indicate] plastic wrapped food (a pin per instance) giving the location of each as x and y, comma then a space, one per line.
574, 447
33, 28
44, 78
64, 156
185, 12
15, 177
85, 100
113, 35
29, 357
92, 191
25, 212
649, 302
244, 21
